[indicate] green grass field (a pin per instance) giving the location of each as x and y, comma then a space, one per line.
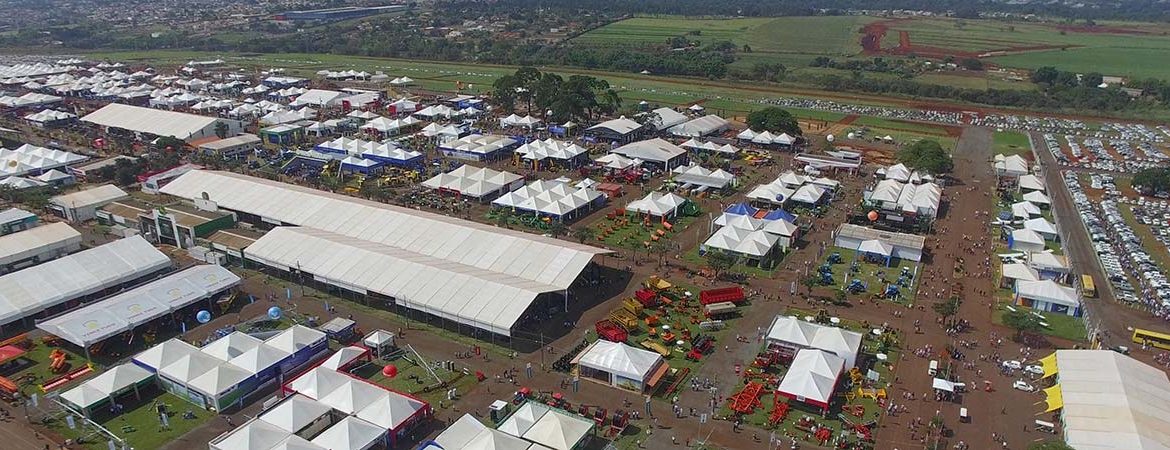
794, 35
139, 424
1010, 143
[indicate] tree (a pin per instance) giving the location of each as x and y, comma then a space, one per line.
1049, 445
504, 92
775, 120
926, 155
1046, 75
719, 261
221, 129
582, 234
1092, 79
946, 308
172, 143
1152, 181
526, 78
1022, 321
557, 228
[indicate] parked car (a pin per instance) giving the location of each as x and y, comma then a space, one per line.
1013, 364
1034, 369
1023, 386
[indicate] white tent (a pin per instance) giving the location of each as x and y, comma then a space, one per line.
190, 366
523, 419
747, 135
318, 382
620, 360
1048, 291
295, 413
353, 396
164, 354
1037, 197
1025, 210
351, 433
876, 246
1020, 272
699, 176
259, 358
391, 411
295, 338
255, 434
110, 383
558, 431
468, 433
795, 334
1112, 401
1031, 183
812, 377
231, 346
657, 204
617, 162
751, 243
343, 357
1027, 240
219, 380
1042, 226
295, 442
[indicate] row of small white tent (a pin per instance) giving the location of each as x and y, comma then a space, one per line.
695, 144
517, 121
766, 137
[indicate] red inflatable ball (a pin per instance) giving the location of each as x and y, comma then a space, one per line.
873, 216
390, 371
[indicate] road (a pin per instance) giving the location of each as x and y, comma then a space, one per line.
1113, 319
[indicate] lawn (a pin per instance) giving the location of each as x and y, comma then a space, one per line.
35, 364
414, 379
630, 233
874, 276
139, 425
1011, 143
908, 127
692, 256
820, 35
1059, 325
1119, 61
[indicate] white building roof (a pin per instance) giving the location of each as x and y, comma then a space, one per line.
1013, 165
1048, 261
48, 238
319, 97
351, 433
1112, 401
165, 353
657, 204
472, 181
219, 379
1049, 291
1040, 225
190, 366
259, 358
550, 148
1020, 272
558, 430
343, 357
30, 158
621, 125
319, 382
1025, 210
1031, 182
524, 418
122, 312
486, 299
700, 126
544, 260
468, 433
668, 117
1026, 236
619, 359
481, 144
295, 338
657, 150
755, 243
699, 176
549, 197
96, 196
1037, 197
391, 411
231, 346
152, 121
106, 384
254, 435
812, 375
798, 333
32, 290
295, 413
353, 396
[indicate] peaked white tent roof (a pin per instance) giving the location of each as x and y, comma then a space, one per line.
618, 162
231, 346
798, 333
295, 413
1025, 210
700, 126
391, 411
558, 431
1026, 236
468, 433
190, 366
295, 442
755, 243
1049, 291
56, 236
353, 396
351, 433
219, 379
812, 375
1040, 225
657, 204
619, 359
152, 121
524, 418
668, 117
876, 246
108, 383
378, 338
472, 181
319, 382
259, 358
295, 338
657, 150
343, 356
1017, 271
700, 176
165, 353
1013, 165
1031, 182
253, 435
1037, 197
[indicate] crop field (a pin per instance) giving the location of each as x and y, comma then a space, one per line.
787, 40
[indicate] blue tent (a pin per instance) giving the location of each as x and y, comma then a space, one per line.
742, 209
778, 214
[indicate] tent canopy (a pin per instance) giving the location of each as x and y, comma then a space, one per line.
619, 359
351, 433
812, 376
295, 413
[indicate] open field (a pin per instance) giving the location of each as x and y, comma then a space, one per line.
836, 35
1011, 143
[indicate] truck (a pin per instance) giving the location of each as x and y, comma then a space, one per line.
733, 294
721, 310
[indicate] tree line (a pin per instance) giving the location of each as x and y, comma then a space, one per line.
557, 99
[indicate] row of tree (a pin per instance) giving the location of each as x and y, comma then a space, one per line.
577, 98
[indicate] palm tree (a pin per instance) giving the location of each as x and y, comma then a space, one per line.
582, 234
557, 228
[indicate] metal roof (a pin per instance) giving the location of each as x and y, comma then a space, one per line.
35, 241
153, 121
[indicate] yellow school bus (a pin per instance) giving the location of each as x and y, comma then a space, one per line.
1151, 338
1087, 287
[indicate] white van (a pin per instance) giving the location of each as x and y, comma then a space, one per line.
933, 368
